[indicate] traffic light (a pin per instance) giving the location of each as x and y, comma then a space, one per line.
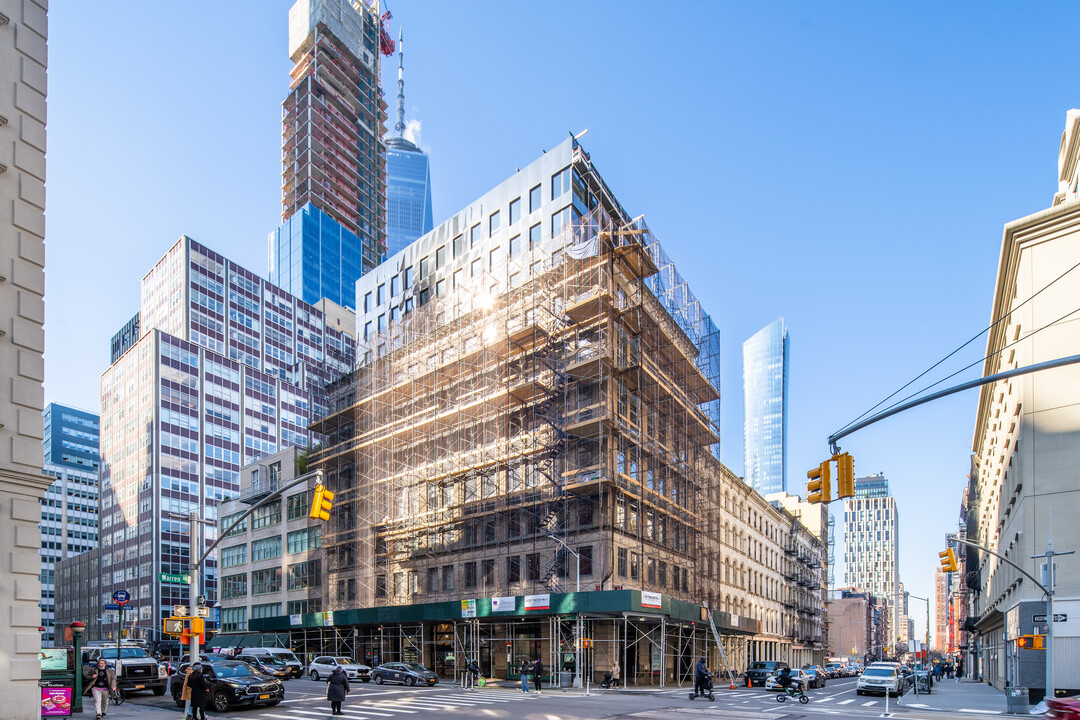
320, 505
948, 561
1031, 642
819, 489
845, 475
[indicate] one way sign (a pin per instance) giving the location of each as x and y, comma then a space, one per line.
1058, 617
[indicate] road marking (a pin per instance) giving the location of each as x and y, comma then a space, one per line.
868, 704
845, 702
984, 712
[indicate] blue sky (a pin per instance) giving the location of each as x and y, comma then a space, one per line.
848, 166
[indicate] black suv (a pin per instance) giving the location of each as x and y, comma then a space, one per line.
762, 669
232, 684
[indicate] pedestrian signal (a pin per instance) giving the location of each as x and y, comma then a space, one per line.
1031, 642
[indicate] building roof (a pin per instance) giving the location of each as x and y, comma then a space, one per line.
400, 143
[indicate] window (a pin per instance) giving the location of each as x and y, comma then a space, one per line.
532, 567
559, 221
470, 574
622, 562
459, 245
448, 577
233, 619
303, 540
265, 549
433, 579
381, 294
662, 575
488, 569
234, 586
515, 210
534, 236
534, 199
406, 276
440, 288
494, 222
515, 246
229, 520
395, 286
513, 569
560, 183
440, 257
266, 610
495, 258
305, 575
380, 586
266, 516
475, 268
264, 582
367, 302
474, 235
233, 556
423, 267
456, 280
585, 551
367, 330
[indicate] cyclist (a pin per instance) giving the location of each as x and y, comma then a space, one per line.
784, 680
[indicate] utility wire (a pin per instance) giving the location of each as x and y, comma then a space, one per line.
939, 362
977, 362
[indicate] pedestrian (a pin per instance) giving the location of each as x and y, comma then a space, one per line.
336, 690
185, 693
103, 684
538, 674
701, 677
474, 673
200, 692
615, 670
524, 670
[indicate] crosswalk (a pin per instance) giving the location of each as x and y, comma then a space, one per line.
390, 704
838, 700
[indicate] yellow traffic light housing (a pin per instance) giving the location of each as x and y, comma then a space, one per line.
819, 487
1031, 642
948, 561
321, 504
845, 475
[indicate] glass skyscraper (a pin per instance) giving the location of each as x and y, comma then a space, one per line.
408, 194
765, 405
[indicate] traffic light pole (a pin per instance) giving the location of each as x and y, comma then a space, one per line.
195, 542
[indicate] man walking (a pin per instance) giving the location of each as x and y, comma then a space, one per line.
538, 675
101, 687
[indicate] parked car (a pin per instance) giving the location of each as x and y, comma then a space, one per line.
265, 665
134, 668
405, 673
322, 666
836, 670
881, 678
817, 675
799, 681
232, 684
278, 656
760, 671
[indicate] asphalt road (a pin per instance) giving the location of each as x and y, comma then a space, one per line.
306, 700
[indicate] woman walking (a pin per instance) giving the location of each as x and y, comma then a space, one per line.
199, 692
103, 684
185, 694
336, 690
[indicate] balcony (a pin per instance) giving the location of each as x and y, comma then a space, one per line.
259, 490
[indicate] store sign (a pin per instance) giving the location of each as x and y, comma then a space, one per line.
734, 621
55, 700
503, 604
468, 608
651, 600
295, 620
538, 602
328, 618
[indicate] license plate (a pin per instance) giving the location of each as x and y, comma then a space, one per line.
263, 697
140, 687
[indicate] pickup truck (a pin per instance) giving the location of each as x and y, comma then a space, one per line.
760, 670
135, 669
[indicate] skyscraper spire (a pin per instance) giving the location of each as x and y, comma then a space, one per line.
400, 126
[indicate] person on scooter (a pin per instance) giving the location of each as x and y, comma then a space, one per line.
783, 678
701, 678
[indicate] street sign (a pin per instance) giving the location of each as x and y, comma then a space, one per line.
1058, 617
121, 596
111, 606
180, 610
204, 612
176, 578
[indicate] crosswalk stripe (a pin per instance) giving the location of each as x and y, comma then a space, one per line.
366, 711
441, 703
386, 708
868, 704
845, 702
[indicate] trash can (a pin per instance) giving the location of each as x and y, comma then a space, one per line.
566, 679
1016, 699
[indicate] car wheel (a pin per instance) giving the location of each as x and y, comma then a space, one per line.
315, 675
410, 681
378, 679
159, 691
221, 701
858, 691
176, 699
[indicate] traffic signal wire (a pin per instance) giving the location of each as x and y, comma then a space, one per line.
961, 347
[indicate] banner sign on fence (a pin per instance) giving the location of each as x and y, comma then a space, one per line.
538, 602
503, 604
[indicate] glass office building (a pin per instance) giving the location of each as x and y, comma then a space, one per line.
408, 194
71, 437
313, 256
765, 405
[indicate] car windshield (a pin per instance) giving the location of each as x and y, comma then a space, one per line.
271, 660
344, 661
415, 667
879, 672
286, 657
110, 653
759, 666
240, 669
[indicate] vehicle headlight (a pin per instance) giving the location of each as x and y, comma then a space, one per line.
162, 672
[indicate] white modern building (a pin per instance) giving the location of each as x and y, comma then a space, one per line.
872, 546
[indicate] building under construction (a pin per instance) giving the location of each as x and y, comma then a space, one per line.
525, 463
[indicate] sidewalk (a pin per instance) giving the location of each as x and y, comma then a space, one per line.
953, 695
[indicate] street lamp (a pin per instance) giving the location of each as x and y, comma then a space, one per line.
926, 650
77, 629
